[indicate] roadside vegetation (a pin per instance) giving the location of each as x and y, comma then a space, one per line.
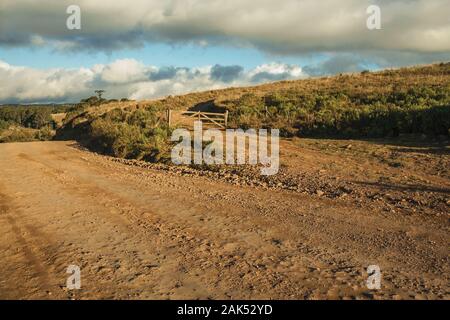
122, 129
141, 134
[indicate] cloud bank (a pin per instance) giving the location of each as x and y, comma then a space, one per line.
277, 27
129, 78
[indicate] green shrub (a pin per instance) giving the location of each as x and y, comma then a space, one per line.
44, 134
135, 135
4, 124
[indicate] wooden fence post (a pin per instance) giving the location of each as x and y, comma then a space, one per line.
169, 117
226, 119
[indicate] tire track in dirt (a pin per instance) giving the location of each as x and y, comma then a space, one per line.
38, 250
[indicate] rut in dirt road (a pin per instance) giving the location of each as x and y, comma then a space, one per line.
144, 233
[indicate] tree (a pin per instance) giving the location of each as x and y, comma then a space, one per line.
99, 93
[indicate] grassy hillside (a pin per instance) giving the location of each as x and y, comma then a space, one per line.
382, 104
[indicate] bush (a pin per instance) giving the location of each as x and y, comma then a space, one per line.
4, 124
135, 135
44, 134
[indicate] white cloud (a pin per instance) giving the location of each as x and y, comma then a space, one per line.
127, 78
124, 71
27, 84
276, 71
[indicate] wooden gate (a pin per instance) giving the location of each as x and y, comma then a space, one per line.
187, 118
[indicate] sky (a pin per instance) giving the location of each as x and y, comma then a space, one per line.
147, 49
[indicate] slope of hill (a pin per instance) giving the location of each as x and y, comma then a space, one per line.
367, 105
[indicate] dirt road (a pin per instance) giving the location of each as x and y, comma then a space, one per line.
143, 233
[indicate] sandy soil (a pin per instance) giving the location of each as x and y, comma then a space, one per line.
156, 234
